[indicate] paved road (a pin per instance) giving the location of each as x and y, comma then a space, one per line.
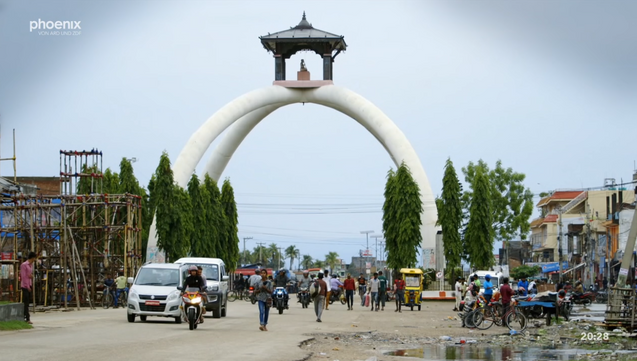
106, 334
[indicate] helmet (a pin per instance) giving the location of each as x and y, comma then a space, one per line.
487, 277
193, 268
562, 293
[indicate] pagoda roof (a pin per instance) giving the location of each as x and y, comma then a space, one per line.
304, 34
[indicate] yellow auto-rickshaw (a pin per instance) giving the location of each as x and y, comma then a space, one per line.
413, 286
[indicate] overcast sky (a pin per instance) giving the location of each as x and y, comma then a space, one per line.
549, 88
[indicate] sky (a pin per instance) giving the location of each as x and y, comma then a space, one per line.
548, 88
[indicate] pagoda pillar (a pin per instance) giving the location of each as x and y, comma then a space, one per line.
279, 67
327, 66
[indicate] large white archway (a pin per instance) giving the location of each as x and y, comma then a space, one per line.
245, 112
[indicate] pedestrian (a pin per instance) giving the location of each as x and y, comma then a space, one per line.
264, 297
121, 283
320, 297
350, 287
362, 288
488, 288
399, 291
26, 284
374, 284
464, 287
382, 291
458, 288
523, 287
506, 292
326, 279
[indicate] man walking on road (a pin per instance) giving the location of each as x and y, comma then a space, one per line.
373, 291
362, 288
350, 287
326, 277
399, 291
458, 288
26, 284
382, 291
320, 298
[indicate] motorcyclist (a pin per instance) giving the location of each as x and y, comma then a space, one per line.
303, 283
579, 289
336, 286
194, 280
282, 280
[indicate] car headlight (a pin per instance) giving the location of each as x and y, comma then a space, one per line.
132, 294
173, 295
213, 288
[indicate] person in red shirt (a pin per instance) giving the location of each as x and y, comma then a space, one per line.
26, 284
350, 287
399, 291
506, 292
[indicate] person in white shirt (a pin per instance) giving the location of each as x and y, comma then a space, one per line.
326, 278
458, 287
374, 285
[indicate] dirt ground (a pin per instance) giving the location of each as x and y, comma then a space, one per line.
368, 336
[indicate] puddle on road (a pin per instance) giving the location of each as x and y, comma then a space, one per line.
495, 353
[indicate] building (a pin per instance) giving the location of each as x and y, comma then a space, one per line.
44, 186
573, 222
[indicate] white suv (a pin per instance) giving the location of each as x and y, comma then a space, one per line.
214, 269
154, 291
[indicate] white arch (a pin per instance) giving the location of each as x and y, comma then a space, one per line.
248, 110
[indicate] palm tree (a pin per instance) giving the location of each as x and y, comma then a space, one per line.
319, 264
307, 261
331, 259
275, 255
293, 253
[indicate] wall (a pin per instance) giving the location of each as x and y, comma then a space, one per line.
625, 220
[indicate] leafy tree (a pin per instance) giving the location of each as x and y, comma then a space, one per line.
479, 235
319, 264
275, 256
331, 259
450, 216
229, 207
293, 253
525, 271
512, 203
199, 235
306, 261
110, 182
165, 198
127, 181
401, 218
183, 226
216, 220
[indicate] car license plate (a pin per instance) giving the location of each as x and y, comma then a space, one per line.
152, 303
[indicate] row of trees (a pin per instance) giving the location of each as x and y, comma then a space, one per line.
273, 256
200, 221
496, 206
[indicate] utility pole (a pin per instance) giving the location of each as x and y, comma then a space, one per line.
244, 249
376, 237
559, 242
366, 233
260, 248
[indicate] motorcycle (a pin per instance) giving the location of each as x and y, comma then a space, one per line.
278, 299
250, 297
191, 306
304, 297
338, 296
582, 298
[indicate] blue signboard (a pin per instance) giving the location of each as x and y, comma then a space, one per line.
554, 267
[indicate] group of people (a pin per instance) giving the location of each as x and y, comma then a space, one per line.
115, 286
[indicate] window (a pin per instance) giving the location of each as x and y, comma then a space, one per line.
412, 281
158, 277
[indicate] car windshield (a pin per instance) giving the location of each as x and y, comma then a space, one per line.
412, 281
157, 277
210, 271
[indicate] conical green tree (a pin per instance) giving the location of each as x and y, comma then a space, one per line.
479, 235
216, 219
166, 207
229, 207
401, 218
450, 216
199, 216
183, 223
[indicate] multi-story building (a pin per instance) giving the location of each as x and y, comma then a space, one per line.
574, 221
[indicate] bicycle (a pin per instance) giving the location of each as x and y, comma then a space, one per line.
514, 318
488, 315
108, 299
236, 294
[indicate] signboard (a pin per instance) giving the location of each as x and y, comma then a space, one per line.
428, 258
6, 256
439, 275
367, 253
368, 265
623, 271
554, 267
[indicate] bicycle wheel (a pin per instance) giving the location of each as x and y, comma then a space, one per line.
123, 299
483, 318
468, 319
246, 295
107, 300
498, 314
516, 321
233, 296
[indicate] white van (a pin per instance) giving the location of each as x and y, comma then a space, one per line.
214, 269
496, 279
154, 291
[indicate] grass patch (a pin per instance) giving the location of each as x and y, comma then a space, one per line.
14, 325
6, 302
